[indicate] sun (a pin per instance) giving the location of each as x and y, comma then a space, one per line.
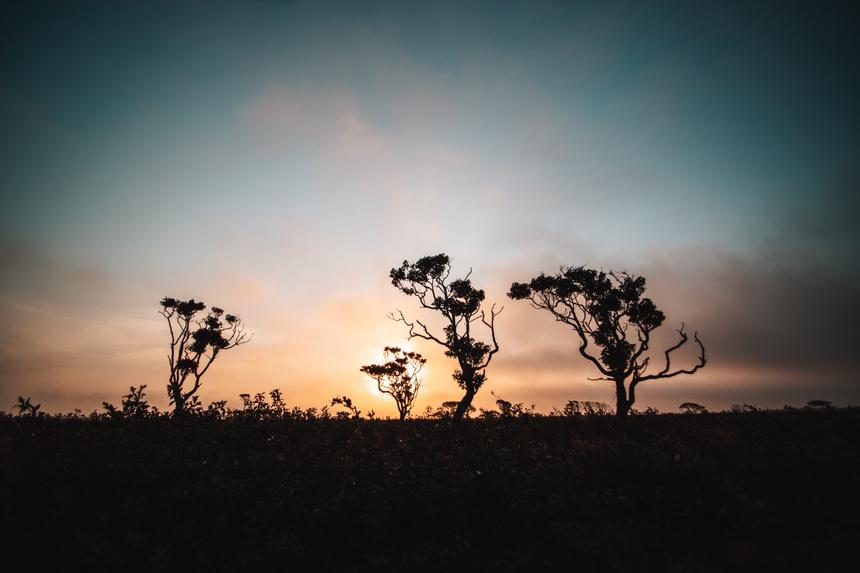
377, 356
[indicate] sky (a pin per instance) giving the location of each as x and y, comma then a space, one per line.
276, 159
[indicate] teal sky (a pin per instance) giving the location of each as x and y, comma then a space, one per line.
277, 158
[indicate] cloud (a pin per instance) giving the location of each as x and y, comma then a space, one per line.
302, 119
773, 308
772, 319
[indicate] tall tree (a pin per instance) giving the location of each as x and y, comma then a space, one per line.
427, 280
398, 377
195, 342
608, 311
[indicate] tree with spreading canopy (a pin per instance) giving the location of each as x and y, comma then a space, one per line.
608, 311
195, 343
692, 408
460, 304
398, 377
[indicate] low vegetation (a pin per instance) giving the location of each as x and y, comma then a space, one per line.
268, 486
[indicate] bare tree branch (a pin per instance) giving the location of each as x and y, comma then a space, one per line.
702, 360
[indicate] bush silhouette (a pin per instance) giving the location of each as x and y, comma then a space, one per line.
351, 410
26, 407
446, 410
585, 408
692, 408
506, 409
134, 405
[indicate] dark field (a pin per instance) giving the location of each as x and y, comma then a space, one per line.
713, 492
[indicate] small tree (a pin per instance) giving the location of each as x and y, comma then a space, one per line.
398, 377
692, 408
608, 311
195, 343
427, 279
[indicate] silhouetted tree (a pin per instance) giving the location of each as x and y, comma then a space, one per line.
609, 311
692, 408
195, 343
398, 377
427, 279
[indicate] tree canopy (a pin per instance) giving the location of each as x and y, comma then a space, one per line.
195, 343
398, 377
613, 320
460, 303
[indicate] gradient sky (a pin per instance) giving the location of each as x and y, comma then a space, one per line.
278, 158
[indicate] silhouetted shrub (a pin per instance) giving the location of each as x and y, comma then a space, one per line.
446, 410
585, 408
134, 405
744, 408
508, 409
26, 407
692, 408
217, 410
351, 410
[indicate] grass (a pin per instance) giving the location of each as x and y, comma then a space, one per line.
711, 492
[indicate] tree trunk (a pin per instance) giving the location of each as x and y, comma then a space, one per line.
464, 404
178, 403
622, 405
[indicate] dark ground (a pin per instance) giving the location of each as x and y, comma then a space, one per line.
755, 491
